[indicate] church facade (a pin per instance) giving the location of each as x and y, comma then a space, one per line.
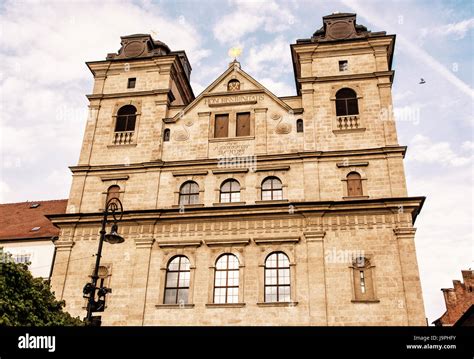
241, 207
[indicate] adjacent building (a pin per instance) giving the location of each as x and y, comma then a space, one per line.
28, 235
242, 207
459, 301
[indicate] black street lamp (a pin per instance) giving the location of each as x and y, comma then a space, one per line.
91, 291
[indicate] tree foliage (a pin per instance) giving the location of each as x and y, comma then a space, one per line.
28, 301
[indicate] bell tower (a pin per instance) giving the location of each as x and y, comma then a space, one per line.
344, 75
134, 89
149, 78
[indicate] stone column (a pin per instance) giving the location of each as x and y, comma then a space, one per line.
309, 119
89, 133
386, 115
410, 276
61, 266
261, 134
138, 289
317, 300
156, 129
202, 144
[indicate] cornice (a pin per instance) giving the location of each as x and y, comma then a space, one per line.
101, 96
346, 77
260, 159
410, 205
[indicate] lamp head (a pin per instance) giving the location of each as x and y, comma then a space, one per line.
113, 237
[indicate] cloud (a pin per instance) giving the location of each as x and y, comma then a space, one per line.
402, 95
458, 29
468, 145
233, 26
423, 150
5, 191
279, 88
270, 59
251, 16
44, 79
408, 46
75, 36
444, 235
205, 75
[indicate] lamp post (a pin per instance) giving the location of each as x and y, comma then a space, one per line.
114, 208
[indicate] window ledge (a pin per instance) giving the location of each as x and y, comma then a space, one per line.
124, 145
187, 205
225, 204
277, 304
174, 306
365, 301
272, 201
225, 305
225, 139
362, 129
355, 197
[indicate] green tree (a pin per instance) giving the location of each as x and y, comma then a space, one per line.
28, 301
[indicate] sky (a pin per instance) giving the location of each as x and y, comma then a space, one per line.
43, 82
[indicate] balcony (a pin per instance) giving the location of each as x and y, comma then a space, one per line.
123, 138
350, 122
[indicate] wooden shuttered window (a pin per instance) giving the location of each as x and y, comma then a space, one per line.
243, 124
221, 126
112, 192
354, 184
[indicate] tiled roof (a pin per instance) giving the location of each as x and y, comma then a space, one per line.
26, 220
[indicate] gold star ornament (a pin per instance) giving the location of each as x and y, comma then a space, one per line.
234, 52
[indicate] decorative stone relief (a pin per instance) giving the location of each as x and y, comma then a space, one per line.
181, 135
275, 116
283, 128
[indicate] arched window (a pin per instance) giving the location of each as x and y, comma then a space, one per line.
177, 281
226, 281
126, 117
277, 278
299, 125
103, 273
354, 184
346, 102
230, 191
166, 135
189, 193
272, 189
362, 276
112, 192
233, 85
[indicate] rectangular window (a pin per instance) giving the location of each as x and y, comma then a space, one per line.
221, 126
131, 82
22, 258
343, 65
243, 124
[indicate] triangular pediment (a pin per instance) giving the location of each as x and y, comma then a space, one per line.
246, 88
233, 73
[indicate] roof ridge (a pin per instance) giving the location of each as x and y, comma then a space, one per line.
39, 201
